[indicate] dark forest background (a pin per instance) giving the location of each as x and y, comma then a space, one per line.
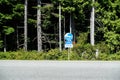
107, 24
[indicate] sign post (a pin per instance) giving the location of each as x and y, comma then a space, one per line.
68, 42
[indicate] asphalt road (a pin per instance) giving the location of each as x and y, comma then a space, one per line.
59, 70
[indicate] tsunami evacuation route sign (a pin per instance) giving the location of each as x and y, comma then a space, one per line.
68, 40
68, 43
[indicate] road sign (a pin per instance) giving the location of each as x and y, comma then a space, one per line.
68, 45
68, 40
68, 36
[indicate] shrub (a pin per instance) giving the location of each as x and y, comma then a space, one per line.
55, 54
102, 56
103, 48
85, 51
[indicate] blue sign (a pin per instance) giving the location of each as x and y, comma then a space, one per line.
68, 40
68, 36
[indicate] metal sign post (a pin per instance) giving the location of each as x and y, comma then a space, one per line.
69, 51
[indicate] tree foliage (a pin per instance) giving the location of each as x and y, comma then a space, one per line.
108, 13
107, 20
11, 14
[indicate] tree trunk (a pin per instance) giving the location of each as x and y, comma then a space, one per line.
5, 45
39, 39
60, 45
25, 25
92, 26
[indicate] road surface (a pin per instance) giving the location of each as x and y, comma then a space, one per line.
59, 70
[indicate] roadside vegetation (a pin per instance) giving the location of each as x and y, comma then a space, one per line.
54, 54
80, 51
76, 13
